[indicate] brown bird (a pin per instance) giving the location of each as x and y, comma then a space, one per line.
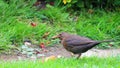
77, 44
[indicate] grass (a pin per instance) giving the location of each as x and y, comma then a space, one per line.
16, 17
85, 62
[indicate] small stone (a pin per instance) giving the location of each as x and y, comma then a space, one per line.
59, 56
40, 55
27, 43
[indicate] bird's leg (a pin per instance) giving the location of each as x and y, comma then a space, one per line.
78, 56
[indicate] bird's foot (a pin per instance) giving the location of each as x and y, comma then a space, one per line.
78, 56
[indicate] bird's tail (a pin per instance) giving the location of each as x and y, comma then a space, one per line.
107, 41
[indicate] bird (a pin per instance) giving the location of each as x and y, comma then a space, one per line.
77, 44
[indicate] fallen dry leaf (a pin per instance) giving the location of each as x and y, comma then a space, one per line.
90, 11
50, 58
33, 24
48, 42
46, 35
42, 45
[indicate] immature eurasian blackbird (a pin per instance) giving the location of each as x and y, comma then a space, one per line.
77, 44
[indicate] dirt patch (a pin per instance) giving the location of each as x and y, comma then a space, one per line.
60, 51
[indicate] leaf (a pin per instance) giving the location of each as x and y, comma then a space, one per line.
50, 58
46, 35
68, 1
80, 4
33, 24
42, 45
64, 1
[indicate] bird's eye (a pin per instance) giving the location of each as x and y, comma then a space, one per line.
60, 34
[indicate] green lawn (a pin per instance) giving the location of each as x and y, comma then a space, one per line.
85, 62
16, 18
15, 27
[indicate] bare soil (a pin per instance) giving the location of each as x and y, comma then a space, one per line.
61, 52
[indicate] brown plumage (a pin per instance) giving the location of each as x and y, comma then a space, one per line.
77, 44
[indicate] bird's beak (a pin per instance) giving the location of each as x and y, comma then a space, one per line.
54, 37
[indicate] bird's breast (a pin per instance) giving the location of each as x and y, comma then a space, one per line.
65, 45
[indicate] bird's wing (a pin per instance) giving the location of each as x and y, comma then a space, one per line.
77, 42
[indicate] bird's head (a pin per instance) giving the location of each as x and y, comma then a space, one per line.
61, 35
